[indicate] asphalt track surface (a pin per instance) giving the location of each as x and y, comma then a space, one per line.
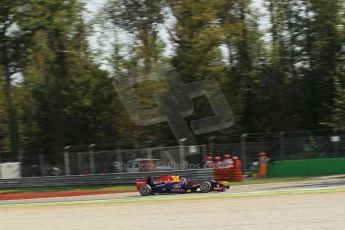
308, 205
324, 183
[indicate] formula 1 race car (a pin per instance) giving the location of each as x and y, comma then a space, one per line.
175, 184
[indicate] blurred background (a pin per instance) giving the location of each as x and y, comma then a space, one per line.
279, 63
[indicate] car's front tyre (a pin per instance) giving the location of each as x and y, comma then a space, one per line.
205, 187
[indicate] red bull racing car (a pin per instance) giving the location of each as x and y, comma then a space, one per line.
175, 184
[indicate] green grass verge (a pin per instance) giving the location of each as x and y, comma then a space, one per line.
132, 187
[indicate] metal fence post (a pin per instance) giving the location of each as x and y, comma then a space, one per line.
121, 167
42, 167
243, 151
66, 160
92, 158
149, 153
204, 153
282, 146
21, 163
80, 163
118, 155
182, 153
335, 142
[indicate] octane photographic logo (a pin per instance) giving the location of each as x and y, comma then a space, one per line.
122, 166
175, 103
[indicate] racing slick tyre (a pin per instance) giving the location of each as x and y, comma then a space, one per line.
145, 190
205, 187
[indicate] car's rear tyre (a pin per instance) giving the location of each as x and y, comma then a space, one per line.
145, 190
205, 186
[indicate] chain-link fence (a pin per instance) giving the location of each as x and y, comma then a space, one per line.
36, 162
281, 146
135, 160
6, 156
99, 159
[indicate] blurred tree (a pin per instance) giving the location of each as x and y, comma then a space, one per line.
199, 40
197, 36
305, 48
63, 98
290, 77
12, 49
136, 57
283, 77
222, 41
336, 120
338, 111
324, 45
247, 65
74, 98
140, 21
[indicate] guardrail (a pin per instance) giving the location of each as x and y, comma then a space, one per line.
99, 179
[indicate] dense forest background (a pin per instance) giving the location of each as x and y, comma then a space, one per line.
286, 75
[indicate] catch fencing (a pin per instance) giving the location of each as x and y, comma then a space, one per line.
281, 146
135, 160
96, 159
104, 159
99, 179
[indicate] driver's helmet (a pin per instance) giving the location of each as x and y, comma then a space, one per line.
183, 180
227, 156
262, 154
175, 178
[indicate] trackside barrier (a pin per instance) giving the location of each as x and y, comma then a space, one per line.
236, 173
223, 174
229, 174
99, 179
311, 167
